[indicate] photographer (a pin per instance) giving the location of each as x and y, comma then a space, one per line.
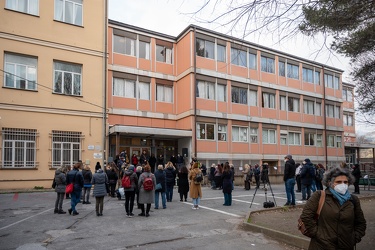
264, 174
289, 174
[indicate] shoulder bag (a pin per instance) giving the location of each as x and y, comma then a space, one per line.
70, 187
301, 225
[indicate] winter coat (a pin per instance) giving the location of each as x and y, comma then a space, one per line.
290, 169
60, 180
112, 176
146, 197
356, 173
338, 227
212, 174
87, 176
170, 175
99, 180
227, 182
307, 173
195, 189
183, 183
152, 162
160, 178
75, 176
133, 180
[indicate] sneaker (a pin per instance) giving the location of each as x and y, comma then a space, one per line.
87, 202
131, 214
75, 213
127, 215
194, 208
287, 204
61, 212
83, 202
70, 211
55, 211
197, 207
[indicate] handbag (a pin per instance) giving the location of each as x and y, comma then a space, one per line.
70, 187
301, 225
53, 183
158, 187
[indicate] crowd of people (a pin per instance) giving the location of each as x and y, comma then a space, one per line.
143, 184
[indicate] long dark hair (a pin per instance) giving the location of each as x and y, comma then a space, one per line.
184, 170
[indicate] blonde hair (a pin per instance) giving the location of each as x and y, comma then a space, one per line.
86, 167
160, 167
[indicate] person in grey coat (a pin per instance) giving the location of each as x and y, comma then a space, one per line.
99, 180
130, 192
60, 180
146, 197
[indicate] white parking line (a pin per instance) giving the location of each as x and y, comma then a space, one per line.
248, 202
215, 210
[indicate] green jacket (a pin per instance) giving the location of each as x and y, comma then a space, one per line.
338, 227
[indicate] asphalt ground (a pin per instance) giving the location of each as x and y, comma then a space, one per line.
27, 221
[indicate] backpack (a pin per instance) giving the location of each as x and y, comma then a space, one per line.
126, 183
148, 184
198, 178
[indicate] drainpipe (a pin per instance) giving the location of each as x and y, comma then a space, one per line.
195, 95
104, 83
325, 121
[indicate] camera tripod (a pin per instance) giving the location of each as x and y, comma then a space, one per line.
266, 204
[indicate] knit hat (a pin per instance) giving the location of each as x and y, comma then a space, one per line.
288, 156
131, 168
307, 160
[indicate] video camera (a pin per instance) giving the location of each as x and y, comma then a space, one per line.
268, 204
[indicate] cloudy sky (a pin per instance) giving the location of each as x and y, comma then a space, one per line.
171, 17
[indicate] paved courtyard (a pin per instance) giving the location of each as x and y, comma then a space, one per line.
27, 221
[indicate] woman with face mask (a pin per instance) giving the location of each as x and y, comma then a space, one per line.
341, 224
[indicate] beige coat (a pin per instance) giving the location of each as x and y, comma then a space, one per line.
195, 189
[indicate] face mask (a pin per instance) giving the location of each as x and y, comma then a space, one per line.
285, 160
304, 163
341, 188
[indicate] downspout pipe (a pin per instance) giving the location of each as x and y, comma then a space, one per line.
325, 121
195, 94
105, 83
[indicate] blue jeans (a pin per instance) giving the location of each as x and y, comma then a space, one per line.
227, 199
196, 201
306, 188
75, 199
169, 192
289, 189
313, 186
163, 199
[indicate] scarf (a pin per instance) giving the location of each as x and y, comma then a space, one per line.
342, 198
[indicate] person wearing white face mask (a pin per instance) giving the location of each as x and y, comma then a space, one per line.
341, 224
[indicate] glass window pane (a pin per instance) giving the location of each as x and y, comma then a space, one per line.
252, 61
160, 53
78, 14
119, 44
199, 47
68, 12
209, 50
221, 53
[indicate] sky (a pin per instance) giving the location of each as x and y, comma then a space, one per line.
171, 17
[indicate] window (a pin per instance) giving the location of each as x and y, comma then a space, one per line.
239, 95
267, 64
206, 90
331, 81
318, 109
144, 50
66, 148
308, 107
317, 77
254, 135
294, 138
238, 57
307, 75
205, 48
293, 71
221, 93
337, 112
282, 69
330, 110
338, 141
26, 6
124, 45
124, 87
239, 134
347, 94
69, 11
144, 90
20, 72
330, 141
164, 93
283, 102
163, 54
293, 104
309, 139
222, 132
283, 138
269, 136
67, 78
19, 148
319, 140
205, 131
268, 100
252, 61
253, 98
348, 120
221, 53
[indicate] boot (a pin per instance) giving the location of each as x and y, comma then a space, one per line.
70, 211
142, 206
55, 211
61, 212
148, 210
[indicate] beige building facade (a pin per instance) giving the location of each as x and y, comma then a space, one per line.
52, 99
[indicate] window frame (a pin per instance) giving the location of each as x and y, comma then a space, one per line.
29, 63
68, 142
307, 75
129, 45
75, 5
222, 132
292, 71
243, 134
240, 92
267, 130
252, 61
209, 90
220, 51
199, 132
310, 138
9, 3
219, 97
204, 48
165, 58
270, 100
164, 96
292, 105
292, 136
237, 56
269, 66
254, 134
307, 107
63, 77
126, 84
141, 96
19, 148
